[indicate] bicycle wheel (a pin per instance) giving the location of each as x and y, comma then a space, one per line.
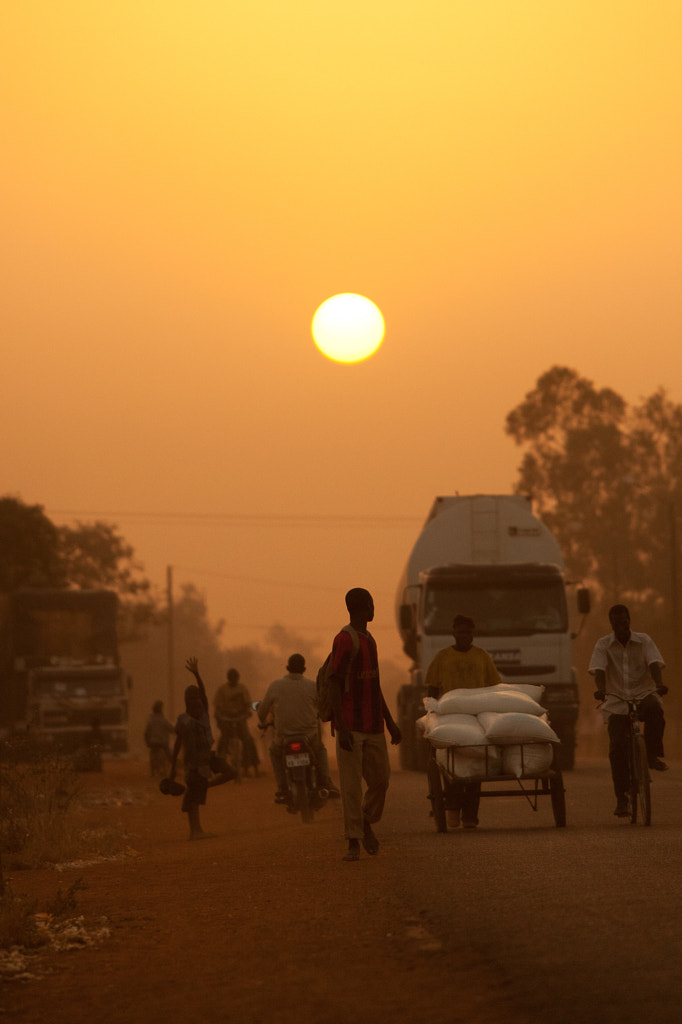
633, 795
644, 781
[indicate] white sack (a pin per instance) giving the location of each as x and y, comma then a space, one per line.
468, 762
530, 689
426, 722
486, 698
513, 727
531, 759
456, 730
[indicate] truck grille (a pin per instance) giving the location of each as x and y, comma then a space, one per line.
83, 716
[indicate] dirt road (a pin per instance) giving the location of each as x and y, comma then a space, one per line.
265, 922
517, 922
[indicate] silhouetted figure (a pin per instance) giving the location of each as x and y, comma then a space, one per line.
232, 709
195, 739
359, 715
157, 734
463, 665
292, 700
629, 664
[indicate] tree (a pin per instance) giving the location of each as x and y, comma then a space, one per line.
36, 553
29, 547
95, 555
607, 480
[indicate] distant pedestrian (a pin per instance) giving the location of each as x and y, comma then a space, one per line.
358, 718
232, 708
195, 739
157, 734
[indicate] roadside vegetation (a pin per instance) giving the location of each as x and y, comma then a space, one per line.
43, 820
44, 823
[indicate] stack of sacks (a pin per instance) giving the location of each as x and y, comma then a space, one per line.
463, 733
488, 726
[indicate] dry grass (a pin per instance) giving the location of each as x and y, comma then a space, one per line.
41, 816
20, 925
45, 821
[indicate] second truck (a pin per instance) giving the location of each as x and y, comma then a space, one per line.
61, 681
489, 557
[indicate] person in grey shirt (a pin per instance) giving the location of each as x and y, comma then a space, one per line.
292, 701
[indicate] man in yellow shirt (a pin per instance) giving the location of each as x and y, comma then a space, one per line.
461, 666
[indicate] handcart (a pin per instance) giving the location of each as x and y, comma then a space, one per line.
530, 785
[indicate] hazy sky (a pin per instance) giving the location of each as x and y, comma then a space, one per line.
183, 182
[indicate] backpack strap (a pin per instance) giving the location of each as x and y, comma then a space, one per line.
353, 633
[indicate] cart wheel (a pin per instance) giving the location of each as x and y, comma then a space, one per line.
436, 796
558, 797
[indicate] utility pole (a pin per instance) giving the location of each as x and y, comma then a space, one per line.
674, 586
171, 641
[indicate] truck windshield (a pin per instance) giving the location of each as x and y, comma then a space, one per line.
521, 609
78, 688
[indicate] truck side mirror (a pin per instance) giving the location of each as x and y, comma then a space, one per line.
406, 621
584, 601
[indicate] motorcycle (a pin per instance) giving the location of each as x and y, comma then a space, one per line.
301, 772
303, 794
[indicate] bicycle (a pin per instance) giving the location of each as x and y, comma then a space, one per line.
639, 795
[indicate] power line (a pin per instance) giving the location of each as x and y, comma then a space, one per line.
301, 628
246, 518
253, 579
272, 583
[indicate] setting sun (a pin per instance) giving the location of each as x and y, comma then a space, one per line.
348, 328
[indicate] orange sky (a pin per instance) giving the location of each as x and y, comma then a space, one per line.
183, 183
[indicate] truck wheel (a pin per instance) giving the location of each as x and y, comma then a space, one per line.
437, 796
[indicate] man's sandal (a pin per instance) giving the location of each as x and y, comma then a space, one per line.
370, 841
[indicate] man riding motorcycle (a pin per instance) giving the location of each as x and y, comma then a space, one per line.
292, 700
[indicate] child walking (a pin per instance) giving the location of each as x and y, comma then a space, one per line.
195, 739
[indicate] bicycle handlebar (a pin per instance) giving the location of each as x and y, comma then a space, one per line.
601, 695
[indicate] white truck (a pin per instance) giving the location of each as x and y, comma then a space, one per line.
489, 557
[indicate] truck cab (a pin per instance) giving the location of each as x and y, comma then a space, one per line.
61, 681
489, 558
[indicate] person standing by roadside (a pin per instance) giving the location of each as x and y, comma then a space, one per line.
627, 665
359, 714
463, 665
157, 734
195, 739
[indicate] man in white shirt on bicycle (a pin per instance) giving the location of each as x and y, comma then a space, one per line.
628, 665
